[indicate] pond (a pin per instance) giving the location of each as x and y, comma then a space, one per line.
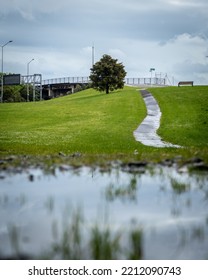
100, 213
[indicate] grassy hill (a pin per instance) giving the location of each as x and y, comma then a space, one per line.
184, 115
93, 123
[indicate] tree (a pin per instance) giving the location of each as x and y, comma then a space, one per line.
107, 74
13, 93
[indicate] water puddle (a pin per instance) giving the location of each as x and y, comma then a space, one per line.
89, 213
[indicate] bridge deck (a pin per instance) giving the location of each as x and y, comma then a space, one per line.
67, 80
86, 80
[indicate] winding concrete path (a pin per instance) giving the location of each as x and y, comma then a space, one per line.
146, 133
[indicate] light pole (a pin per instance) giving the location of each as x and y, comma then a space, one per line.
151, 69
93, 54
28, 64
2, 69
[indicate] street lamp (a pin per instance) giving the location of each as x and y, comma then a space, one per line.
2, 69
93, 54
151, 69
28, 64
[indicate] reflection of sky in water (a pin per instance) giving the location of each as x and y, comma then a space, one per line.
170, 207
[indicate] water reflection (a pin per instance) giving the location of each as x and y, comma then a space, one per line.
128, 191
104, 213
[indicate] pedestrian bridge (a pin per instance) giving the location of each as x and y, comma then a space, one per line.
60, 86
66, 80
86, 80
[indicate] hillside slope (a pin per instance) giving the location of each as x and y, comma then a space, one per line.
91, 122
88, 122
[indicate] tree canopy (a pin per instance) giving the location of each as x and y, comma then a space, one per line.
107, 74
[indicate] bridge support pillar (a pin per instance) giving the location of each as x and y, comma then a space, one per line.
72, 88
50, 92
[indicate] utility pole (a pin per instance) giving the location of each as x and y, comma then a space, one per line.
2, 69
93, 54
28, 64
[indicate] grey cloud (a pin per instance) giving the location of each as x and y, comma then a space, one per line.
124, 28
191, 71
191, 68
150, 20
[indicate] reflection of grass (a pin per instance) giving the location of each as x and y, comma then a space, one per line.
50, 204
198, 232
135, 243
103, 246
128, 191
69, 247
14, 238
76, 243
179, 187
101, 243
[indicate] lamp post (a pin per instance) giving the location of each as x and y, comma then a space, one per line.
28, 64
2, 69
93, 54
151, 69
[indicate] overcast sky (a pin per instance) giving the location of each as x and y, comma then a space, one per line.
168, 35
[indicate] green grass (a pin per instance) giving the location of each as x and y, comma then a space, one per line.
94, 123
184, 115
87, 122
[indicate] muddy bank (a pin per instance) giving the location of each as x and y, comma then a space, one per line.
18, 164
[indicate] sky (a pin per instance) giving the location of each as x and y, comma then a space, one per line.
170, 36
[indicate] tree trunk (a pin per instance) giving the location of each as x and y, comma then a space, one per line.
107, 88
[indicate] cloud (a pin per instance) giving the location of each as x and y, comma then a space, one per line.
187, 57
187, 3
164, 34
189, 51
119, 54
28, 9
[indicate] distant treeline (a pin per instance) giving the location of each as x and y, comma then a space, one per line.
18, 93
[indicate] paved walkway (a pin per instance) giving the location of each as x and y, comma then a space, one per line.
146, 132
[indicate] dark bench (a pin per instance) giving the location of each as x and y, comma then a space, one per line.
186, 83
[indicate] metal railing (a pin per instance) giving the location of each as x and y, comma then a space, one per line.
66, 80
145, 81
86, 80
